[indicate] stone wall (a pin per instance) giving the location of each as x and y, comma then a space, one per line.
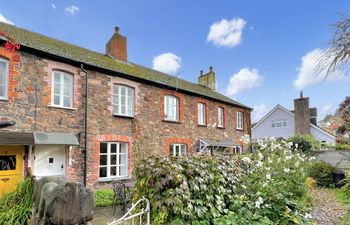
146, 133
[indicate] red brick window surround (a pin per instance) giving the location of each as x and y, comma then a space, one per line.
170, 143
62, 91
171, 107
11, 61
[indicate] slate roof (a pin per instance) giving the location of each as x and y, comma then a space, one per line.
82, 55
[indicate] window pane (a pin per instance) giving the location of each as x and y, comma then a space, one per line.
113, 171
123, 170
2, 90
123, 148
7, 162
103, 148
67, 79
57, 77
103, 160
171, 150
67, 101
56, 88
177, 150
113, 159
56, 100
103, 171
113, 148
183, 149
122, 159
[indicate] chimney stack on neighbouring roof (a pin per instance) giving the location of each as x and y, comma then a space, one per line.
117, 46
302, 115
207, 79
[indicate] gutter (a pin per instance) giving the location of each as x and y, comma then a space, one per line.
85, 122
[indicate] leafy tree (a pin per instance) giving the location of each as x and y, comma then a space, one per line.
344, 109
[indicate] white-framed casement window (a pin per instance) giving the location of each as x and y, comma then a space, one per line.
123, 100
201, 114
239, 122
221, 117
237, 150
4, 76
171, 108
178, 150
280, 123
113, 160
62, 89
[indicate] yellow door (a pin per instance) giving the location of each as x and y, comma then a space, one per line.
11, 164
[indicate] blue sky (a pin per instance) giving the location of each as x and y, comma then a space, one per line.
258, 48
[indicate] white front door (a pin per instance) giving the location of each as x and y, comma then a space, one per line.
50, 160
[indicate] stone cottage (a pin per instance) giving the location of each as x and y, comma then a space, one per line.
54, 94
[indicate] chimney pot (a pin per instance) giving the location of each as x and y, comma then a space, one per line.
117, 29
301, 94
201, 72
211, 69
117, 46
208, 79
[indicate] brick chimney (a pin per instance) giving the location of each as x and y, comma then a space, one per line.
117, 46
302, 115
207, 79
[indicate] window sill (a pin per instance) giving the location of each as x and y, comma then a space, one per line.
239, 129
61, 107
124, 116
171, 121
4, 99
109, 179
221, 127
202, 125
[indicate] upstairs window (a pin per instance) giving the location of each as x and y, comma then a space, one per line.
62, 91
113, 160
220, 117
123, 100
171, 108
239, 120
280, 123
4, 74
201, 114
178, 150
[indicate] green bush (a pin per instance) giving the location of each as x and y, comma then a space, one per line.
16, 207
340, 146
322, 172
265, 187
304, 143
103, 197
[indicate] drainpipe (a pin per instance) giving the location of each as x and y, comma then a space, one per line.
85, 123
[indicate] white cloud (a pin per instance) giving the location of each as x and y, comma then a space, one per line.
308, 74
167, 63
326, 109
4, 20
259, 111
53, 6
73, 9
226, 33
244, 80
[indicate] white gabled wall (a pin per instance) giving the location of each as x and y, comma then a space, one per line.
322, 135
265, 129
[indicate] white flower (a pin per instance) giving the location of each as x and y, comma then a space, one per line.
297, 164
286, 170
288, 157
267, 168
246, 159
268, 176
269, 160
260, 156
259, 202
296, 145
259, 164
308, 216
312, 158
245, 139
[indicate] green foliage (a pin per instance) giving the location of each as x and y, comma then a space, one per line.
265, 187
340, 146
16, 207
103, 197
322, 172
304, 143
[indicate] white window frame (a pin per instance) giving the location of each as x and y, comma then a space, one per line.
129, 100
221, 117
61, 94
239, 121
173, 150
202, 112
171, 108
237, 150
279, 123
6, 83
117, 165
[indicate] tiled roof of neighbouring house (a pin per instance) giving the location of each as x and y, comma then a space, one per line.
75, 53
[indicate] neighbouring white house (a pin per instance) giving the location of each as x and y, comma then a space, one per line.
282, 123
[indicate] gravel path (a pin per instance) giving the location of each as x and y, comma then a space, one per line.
327, 210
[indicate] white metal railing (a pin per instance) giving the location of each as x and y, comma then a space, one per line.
143, 216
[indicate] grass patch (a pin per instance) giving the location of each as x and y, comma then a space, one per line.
342, 195
103, 197
16, 207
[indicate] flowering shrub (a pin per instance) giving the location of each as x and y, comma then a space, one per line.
264, 187
322, 173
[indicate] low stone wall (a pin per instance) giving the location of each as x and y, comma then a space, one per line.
59, 202
338, 159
